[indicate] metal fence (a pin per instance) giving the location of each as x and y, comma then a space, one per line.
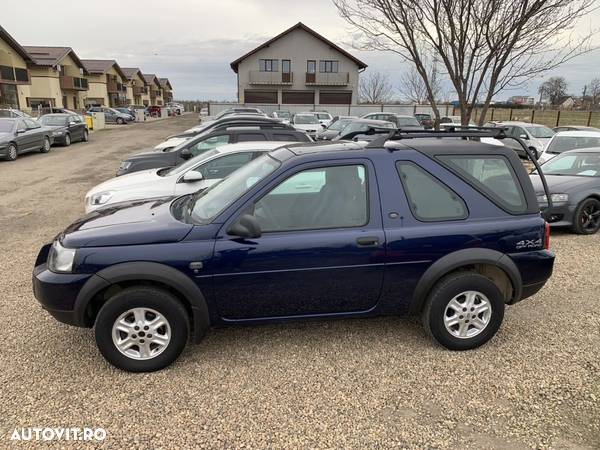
334, 110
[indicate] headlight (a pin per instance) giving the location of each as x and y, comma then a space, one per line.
556, 198
100, 198
125, 165
58, 133
60, 258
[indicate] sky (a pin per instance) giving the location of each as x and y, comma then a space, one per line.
192, 42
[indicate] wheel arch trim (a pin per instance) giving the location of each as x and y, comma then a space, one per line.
461, 258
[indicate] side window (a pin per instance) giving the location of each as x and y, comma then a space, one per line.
328, 197
429, 199
491, 175
209, 144
284, 137
31, 125
224, 166
244, 137
22, 126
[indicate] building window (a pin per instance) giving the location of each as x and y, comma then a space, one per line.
21, 74
268, 65
9, 96
7, 73
328, 66
286, 66
311, 66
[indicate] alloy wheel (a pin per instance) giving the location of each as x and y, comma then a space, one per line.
141, 333
46, 144
590, 217
12, 152
467, 314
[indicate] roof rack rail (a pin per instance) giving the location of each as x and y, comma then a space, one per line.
458, 131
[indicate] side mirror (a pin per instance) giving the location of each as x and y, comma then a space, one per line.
186, 153
192, 176
246, 227
21, 130
72, 123
323, 125
524, 136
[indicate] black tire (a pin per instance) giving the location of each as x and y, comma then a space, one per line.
586, 219
142, 297
46, 145
67, 140
120, 121
86, 136
11, 152
446, 290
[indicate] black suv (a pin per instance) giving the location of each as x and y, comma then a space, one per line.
209, 140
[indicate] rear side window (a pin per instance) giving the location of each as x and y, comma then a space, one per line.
245, 137
284, 137
491, 175
430, 200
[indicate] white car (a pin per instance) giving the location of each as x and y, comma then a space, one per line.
195, 174
569, 140
536, 136
323, 117
307, 122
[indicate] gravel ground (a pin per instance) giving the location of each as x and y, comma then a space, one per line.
376, 383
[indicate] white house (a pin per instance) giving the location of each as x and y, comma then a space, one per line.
298, 66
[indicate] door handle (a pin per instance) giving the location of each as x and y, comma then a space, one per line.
367, 241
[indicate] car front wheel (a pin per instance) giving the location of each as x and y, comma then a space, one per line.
142, 329
587, 217
86, 136
67, 140
120, 121
463, 311
11, 152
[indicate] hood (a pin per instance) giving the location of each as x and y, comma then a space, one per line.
308, 126
127, 181
130, 223
561, 184
170, 143
143, 153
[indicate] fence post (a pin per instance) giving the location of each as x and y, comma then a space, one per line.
557, 118
492, 115
510, 114
532, 115
381, 107
589, 121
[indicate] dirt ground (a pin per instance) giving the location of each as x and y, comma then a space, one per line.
376, 383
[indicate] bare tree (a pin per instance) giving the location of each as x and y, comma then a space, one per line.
553, 89
484, 46
375, 88
413, 88
594, 92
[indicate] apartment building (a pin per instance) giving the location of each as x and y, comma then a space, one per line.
107, 83
58, 78
155, 89
298, 66
167, 89
15, 79
137, 88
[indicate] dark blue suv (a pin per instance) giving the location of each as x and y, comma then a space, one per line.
445, 228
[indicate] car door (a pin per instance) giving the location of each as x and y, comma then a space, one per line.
76, 127
109, 116
320, 252
35, 135
22, 139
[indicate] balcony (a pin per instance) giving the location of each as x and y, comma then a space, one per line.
14, 75
327, 79
270, 78
139, 90
73, 83
112, 87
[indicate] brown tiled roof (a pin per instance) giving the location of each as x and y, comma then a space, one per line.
130, 72
50, 56
14, 44
301, 26
164, 82
151, 78
101, 66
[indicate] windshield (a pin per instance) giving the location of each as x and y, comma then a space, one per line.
564, 143
541, 132
574, 164
189, 163
339, 124
53, 120
408, 122
190, 141
362, 126
208, 204
305, 119
323, 116
6, 126
283, 114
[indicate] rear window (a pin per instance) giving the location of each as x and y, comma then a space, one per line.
429, 199
491, 175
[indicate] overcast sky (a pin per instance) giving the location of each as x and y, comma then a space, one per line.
192, 42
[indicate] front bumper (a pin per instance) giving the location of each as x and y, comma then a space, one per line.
560, 215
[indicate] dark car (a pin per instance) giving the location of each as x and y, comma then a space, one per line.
573, 179
446, 229
127, 110
53, 110
364, 125
237, 120
333, 129
401, 121
66, 128
204, 142
23, 135
425, 120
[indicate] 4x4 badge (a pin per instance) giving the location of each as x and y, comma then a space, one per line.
529, 243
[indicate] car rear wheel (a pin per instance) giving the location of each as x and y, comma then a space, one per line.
46, 145
86, 136
463, 311
67, 140
11, 152
142, 329
587, 217
120, 121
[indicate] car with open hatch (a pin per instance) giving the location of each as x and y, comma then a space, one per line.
447, 229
